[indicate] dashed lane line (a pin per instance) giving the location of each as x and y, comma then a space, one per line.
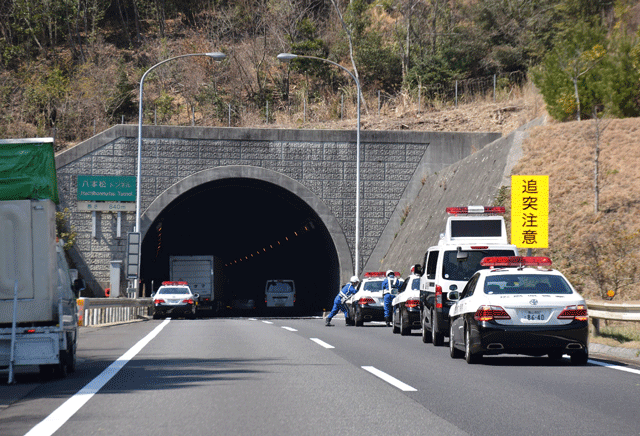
389, 379
321, 343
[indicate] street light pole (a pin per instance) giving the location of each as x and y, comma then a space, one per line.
216, 56
286, 57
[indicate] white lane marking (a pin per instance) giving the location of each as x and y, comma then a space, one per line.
252, 319
322, 343
389, 379
267, 322
618, 367
62, 414
291, 329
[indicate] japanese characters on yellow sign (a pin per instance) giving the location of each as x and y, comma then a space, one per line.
530, 211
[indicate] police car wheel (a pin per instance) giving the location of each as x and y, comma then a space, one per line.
580, 358
404, 329
470, 357
358, 319
393, 322
453, 351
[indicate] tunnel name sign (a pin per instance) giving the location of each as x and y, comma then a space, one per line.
94, 191
530, 211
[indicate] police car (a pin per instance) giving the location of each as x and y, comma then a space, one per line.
174, 298
406, 305
368, 303
520, 305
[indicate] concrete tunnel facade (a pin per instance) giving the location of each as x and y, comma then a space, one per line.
254, 186
276, 229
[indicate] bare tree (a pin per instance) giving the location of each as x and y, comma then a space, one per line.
347, 30
600, 127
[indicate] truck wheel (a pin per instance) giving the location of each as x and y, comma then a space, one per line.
70, 356
436, 337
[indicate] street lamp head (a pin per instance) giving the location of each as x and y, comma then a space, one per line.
217, 56
286, 57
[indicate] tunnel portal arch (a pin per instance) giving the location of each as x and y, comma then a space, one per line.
260, 224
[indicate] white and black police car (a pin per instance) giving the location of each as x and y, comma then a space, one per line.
520, 305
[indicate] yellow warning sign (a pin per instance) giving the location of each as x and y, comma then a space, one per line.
530, 211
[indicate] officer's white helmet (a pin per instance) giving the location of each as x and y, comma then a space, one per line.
390, 273
354, 279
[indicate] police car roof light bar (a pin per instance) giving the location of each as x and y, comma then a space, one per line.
515, 261
464, 210
379, 274
174, 283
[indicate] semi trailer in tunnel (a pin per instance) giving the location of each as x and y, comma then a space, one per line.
202, 274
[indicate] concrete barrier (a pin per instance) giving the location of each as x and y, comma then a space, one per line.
612, 311
98, 311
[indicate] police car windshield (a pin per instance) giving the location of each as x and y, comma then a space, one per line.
171, 290
526, 284
373, 286
463, 269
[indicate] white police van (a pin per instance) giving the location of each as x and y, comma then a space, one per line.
471, 233
280, 293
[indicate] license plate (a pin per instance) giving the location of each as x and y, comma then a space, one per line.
533, 315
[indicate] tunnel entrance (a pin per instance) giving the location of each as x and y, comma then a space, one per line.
257, 231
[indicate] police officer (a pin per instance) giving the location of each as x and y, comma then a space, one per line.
390, 287
338, 303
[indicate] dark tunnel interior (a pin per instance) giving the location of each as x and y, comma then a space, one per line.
257, 231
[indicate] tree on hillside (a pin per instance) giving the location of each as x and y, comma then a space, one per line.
564, 71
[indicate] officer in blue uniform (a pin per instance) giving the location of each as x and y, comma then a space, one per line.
338, 303
390, 287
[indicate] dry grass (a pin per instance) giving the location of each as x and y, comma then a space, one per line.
565, 151
618, 334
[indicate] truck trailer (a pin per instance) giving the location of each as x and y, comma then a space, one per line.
38, 311
202, 274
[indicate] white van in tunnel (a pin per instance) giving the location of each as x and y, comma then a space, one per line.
280, 293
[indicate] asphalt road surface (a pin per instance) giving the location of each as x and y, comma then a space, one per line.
246, 376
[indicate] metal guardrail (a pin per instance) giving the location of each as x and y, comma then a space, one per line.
97, 311
612, 311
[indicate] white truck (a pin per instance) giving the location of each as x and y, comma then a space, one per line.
471, 233
200, 273
38, 311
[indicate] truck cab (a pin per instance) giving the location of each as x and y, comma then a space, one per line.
471, 233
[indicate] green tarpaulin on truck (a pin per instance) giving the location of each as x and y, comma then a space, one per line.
28, 169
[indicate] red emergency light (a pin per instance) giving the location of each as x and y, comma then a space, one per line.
515, 261
379, 274
174, 283
465, 210
375, 274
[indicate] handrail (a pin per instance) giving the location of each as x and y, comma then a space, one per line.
98, 311
612, 311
